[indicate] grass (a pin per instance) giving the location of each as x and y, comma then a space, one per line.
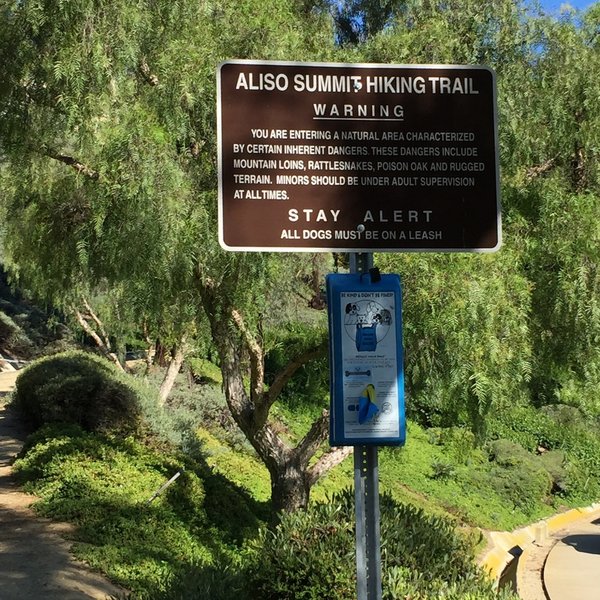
244, 470
438, 470
191, 540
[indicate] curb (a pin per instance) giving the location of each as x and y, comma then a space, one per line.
507, 545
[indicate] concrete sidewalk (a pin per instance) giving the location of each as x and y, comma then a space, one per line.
572, 569
35, 562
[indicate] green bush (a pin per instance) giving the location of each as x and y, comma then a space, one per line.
557, 428
517, 475
7, 328
102, 485
78, 388
310, 555
554, 462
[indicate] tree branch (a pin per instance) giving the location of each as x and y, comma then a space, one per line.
151, 348
178, 355
257, 363
538, 170
329, 460
99, 323
99, 342
75, 164
316, 435
144, 70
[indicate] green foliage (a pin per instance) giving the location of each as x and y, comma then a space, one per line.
204, 371
108, 158
466, 355
554, 462
79, 388
306, 394
108, 187
428, 473
13, 338
189, 407
523, 324
310, 555
574, 460
224, 581
102, 485
236, 463
29, 330
518, 476
442, 470
357, 20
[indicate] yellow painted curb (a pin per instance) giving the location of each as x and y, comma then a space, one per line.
506, 545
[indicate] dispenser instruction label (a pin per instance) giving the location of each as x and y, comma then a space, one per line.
367, 378
369, 360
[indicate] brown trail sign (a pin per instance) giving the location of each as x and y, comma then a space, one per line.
350, 157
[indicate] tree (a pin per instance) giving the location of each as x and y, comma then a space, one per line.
358, 20
109, 179
466, 326
521, 325
552, 135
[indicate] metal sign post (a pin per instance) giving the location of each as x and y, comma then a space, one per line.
368, 538
366, 496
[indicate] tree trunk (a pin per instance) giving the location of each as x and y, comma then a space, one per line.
317, 301
150, 351
249, 402
178, 356
290, 487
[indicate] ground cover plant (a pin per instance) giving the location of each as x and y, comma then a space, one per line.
310, 555
206, 537
102, 484
207, 534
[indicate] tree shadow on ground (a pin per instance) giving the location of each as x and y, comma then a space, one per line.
586, 543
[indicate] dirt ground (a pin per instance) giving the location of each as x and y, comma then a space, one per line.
7, 382
35, 559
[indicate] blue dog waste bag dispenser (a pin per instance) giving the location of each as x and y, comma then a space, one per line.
366, 360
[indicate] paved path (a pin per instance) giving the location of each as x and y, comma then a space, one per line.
35, 562
572, 569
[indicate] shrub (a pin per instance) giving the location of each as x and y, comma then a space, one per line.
557, 427
79, 388
310, 555
442, 470
102, 485
518, 475
7, 328
554, 462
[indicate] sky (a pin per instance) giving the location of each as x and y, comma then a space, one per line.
553, 6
